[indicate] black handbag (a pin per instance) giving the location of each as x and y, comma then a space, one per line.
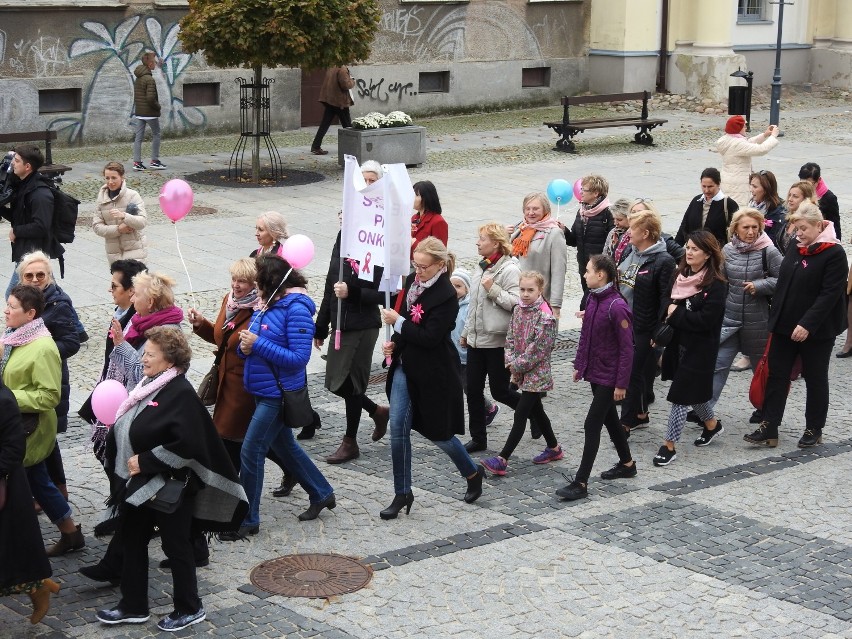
296, 408
29, 421
208, 389
169, 498
663, 335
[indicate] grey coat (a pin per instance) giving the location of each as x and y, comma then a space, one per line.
745, 313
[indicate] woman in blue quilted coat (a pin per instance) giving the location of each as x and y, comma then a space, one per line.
277, 347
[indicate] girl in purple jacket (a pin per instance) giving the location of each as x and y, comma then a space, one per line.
604, 359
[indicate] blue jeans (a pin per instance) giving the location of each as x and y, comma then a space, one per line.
47, 494
401, 419
13, 281
267, 430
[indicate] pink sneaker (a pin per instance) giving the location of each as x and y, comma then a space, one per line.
548, 455
494, 465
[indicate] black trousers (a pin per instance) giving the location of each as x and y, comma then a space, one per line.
601, 413
490, 363
327, 117
815, 355
137, 526
644, 367
529, 405
113, 559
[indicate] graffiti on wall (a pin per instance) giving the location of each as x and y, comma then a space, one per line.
484, 31
381, 92
41, 57
108, 96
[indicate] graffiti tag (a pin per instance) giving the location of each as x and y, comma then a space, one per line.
376, 90
404, 22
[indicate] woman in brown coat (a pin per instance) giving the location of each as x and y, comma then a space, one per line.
234, 405
336, 99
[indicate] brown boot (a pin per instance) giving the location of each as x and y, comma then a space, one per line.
348, 450
41, 599
68, 542
380, 418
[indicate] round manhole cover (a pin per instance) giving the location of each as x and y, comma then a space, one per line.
311, 575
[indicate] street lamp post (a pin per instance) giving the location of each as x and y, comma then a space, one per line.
775, 106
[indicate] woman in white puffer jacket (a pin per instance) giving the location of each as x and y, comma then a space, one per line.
737, 151
120, 217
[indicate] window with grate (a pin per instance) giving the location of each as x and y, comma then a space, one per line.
201, 94
751, 10
59, 100
434, 82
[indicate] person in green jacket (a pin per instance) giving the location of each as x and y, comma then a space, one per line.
146, 110
31, 368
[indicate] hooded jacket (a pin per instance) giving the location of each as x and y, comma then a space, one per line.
646, 281
121, 246
281, 352
737, 152
31, 215
146, 103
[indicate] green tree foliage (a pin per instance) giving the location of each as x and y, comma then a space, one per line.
310, 34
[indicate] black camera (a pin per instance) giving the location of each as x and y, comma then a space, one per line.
7, 176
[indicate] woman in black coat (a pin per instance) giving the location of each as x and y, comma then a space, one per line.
424, 381
593, 223
24, 567
807, 315
696, 312
347, 369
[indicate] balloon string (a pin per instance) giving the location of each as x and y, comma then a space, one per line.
186, 270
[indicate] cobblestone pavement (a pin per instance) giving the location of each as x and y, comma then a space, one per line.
728, 541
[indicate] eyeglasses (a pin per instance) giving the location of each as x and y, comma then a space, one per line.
113, 286
29, 277
420, 267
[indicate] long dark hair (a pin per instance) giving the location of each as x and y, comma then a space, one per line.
428, 196
607, 265
770, 188
707, 242
275, 276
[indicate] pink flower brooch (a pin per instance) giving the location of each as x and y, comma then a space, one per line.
417, 313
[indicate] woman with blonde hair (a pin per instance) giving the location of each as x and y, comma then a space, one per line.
807, 315
493, 295
424, 382
799, 192
270, 230
120, 217
591, 226
539, 245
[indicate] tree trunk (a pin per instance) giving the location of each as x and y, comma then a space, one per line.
256, 102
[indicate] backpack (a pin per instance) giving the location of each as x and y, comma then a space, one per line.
62, 228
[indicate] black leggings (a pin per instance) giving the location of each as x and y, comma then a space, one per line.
601, 413
354, 405
528, 405
644, 369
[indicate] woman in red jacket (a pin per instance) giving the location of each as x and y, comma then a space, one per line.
427, 220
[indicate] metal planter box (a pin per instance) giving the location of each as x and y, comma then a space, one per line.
403, 144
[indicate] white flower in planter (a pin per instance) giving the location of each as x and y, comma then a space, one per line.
376, 120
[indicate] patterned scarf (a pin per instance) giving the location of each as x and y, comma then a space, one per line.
19, 337
135, 334
232, 306
417, 287
588, 211
147, 386
521, 244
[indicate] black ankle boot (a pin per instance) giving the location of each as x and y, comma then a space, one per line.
812, 437
315, 509
399, 502
765, 435
286, 487
474, 485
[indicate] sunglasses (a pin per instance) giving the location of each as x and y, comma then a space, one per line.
29, 277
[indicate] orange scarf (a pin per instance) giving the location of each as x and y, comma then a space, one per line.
521, 244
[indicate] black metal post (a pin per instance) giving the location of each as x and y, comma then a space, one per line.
775, 105
749, 81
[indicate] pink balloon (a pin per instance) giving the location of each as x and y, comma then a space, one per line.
106, 399
176, 199
298, 250
578, 189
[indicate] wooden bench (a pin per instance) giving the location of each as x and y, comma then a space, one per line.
49, 169
568, 129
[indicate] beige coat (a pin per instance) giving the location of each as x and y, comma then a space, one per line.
335, 88
489, 312
548, 254
121, 246
736, 152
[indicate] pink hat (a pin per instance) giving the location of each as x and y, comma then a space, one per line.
735, 124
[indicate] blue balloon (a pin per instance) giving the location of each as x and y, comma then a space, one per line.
560, 191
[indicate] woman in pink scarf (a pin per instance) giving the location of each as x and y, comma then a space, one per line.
696, 312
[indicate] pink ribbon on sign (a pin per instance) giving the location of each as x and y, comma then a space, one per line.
366, 268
